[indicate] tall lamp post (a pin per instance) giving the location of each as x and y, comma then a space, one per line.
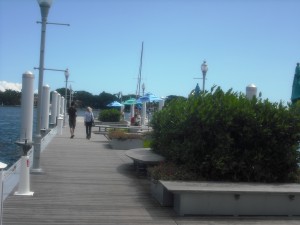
66, 95
143, 88
44, 7
71, 97
204, 69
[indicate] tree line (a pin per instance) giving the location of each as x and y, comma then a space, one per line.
82, 98
10, 97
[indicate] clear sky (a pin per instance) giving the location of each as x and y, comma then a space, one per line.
243, 42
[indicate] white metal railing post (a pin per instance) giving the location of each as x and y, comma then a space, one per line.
2, 166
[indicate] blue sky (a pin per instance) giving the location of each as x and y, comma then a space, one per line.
243, 42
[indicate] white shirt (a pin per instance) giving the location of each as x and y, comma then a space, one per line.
88, 117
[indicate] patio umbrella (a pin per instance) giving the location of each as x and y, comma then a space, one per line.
130, 101
115, 104
149, 97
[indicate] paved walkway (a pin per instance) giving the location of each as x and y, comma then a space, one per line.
86, 182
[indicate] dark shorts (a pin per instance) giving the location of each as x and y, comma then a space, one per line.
72, 123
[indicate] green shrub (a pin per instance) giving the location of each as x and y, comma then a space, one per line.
171, 171
147, 143
224, 136
109, 115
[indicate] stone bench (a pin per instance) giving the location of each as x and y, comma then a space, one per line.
230, 199
143, 157
121, 123
106, 128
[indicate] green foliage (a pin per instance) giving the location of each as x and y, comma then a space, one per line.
105, 98
171, 171
62, 92
147, 143
171, 98
83, 99
10, 97
109, 115
224, 136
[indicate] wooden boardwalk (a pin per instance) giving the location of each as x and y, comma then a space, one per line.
86, 182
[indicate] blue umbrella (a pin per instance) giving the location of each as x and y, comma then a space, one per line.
115, 104
149, 97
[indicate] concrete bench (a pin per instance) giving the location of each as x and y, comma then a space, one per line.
139, 129
233, 199
143, 157
106, 128
121, 123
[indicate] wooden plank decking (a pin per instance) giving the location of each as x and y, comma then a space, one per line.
86, 182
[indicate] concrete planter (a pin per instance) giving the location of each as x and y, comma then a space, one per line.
161, 194
126, 144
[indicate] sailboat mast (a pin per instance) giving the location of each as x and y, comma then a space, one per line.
138, 87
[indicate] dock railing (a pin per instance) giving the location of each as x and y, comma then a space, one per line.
12, 174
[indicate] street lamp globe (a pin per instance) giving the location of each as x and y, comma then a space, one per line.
45, 6
204, 68
45, 3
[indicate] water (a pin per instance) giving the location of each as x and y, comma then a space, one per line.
10, 122
10, 118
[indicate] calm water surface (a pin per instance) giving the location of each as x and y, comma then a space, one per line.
10, 122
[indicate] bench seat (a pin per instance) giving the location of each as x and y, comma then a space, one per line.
234, 199
143, 157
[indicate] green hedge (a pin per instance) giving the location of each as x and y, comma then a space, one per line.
109, 115
224, 136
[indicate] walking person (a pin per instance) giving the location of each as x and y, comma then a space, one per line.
88, 122
72, 118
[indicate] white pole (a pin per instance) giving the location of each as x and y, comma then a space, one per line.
58, 105
144, 113
26, 123
45, 107
27, 100
59, 115
53, 108
37, 139
66, 96
251, 91
24, 182
71, 97
2, 166
161, 104
131, 111
62, 105
59, 124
